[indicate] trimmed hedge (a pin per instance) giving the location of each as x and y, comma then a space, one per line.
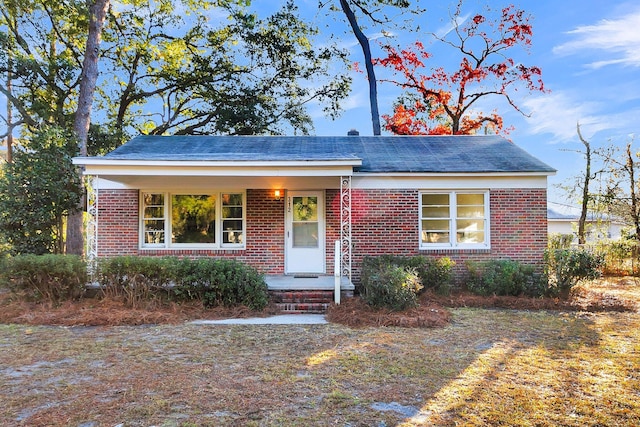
51, 278
214, 281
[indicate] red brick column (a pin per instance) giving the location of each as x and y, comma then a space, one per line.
118, 222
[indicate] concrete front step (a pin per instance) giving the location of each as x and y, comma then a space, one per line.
301, 301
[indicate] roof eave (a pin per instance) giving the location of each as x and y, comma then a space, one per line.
458, 173
114, 168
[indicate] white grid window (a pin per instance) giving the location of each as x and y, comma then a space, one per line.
192, 220
454, 219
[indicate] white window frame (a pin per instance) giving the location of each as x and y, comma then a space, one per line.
452, 218
167, 221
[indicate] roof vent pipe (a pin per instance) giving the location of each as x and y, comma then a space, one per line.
353, 132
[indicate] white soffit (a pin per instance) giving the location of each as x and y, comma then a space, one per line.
115, 168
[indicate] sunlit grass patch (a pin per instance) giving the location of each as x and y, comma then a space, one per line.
582, 374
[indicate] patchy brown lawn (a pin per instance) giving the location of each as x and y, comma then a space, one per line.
484, 367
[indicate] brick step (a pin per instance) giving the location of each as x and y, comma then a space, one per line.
302, 308
301, 296
302, 301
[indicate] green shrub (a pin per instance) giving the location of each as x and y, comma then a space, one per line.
434, 273
566, 267
220, 281
213, 281
391, 286
51, 278
504, 277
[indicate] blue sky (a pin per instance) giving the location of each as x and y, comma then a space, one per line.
589, 52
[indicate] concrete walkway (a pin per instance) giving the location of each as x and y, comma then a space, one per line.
283, 319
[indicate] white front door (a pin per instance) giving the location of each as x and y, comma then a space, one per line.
305, 249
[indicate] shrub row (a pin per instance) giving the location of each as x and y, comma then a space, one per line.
504, 277
387, 281
136, 280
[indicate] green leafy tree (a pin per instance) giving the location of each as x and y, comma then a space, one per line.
37, 191
250, 75
82, 120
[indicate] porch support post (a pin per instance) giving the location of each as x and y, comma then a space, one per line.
91, 184
345, 226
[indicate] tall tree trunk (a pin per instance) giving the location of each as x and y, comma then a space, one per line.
366, 49
585, 189
9, 119
97, 16
9, 106
635, 215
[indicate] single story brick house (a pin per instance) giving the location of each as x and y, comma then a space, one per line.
280, 203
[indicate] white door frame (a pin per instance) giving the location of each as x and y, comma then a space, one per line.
305, 260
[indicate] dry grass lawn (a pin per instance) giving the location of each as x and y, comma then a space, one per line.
485, 367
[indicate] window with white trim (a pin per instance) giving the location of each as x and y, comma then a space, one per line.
192, 220
454, 219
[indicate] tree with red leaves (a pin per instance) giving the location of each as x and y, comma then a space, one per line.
442, 102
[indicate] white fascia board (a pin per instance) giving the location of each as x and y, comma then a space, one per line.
104, 167
449, 181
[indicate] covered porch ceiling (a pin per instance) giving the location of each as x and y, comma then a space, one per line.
199, 174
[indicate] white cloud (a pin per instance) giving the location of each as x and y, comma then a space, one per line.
617, 39
558, 113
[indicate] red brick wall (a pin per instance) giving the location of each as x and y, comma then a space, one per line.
518, 227
383, 222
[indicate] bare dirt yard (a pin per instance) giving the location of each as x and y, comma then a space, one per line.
458, 360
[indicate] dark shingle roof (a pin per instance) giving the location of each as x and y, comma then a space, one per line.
439, 154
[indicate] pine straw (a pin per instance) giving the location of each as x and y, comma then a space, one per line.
112, 312
354, 312
581, 299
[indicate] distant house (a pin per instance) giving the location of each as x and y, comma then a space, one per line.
563, 219
281, 203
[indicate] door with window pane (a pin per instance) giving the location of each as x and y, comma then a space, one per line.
305, 232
